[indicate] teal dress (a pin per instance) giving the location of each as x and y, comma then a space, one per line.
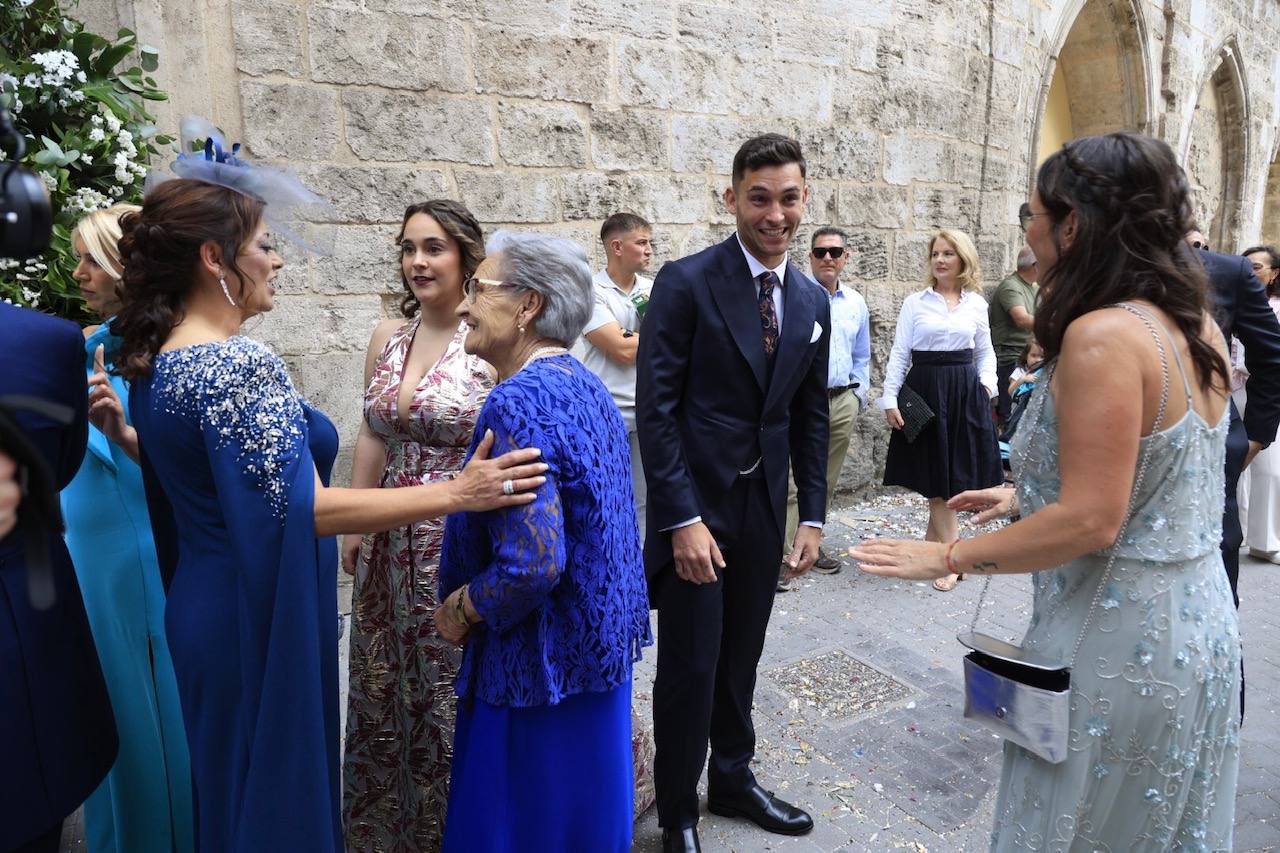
1153, 748
144, 804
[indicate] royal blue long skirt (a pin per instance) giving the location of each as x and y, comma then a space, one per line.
553, 778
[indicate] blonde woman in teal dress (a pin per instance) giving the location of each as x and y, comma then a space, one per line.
144, 804
1119, 464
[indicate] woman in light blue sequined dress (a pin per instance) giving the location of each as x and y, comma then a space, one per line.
1136, 392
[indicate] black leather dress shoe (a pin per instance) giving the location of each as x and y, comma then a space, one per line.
681, 841
763, 809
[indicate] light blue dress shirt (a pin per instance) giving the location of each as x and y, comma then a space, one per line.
850, 358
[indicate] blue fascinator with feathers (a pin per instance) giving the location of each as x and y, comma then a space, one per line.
292, 211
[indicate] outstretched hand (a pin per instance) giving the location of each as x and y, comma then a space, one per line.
989, 504
480, 485
902, 558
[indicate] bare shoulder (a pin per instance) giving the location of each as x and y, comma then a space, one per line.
90, 331
383, 332
1110, 340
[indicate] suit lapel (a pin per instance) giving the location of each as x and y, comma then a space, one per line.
731, 288
797, 328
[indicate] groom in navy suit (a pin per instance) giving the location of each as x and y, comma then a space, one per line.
730, 397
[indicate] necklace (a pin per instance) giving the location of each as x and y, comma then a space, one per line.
542, 352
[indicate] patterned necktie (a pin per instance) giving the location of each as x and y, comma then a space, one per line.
768, 313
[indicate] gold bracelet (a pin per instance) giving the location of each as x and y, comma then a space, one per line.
460, 609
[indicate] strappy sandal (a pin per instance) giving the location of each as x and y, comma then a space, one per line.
948, 583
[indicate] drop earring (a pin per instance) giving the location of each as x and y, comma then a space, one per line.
222, 280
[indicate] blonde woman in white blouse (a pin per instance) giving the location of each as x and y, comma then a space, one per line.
942, 351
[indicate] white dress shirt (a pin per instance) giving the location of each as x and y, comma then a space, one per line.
926, 323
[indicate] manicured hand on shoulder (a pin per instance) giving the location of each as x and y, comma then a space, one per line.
480, 485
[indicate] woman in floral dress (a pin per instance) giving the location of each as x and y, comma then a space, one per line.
422, 397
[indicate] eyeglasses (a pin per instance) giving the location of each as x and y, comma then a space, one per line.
1025, 216
473, 287
1200, 244
821, 252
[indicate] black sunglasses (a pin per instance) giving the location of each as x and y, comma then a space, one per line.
821, 252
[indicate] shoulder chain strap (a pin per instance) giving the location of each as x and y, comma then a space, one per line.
1139, 476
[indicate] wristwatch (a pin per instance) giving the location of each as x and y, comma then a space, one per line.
628, 333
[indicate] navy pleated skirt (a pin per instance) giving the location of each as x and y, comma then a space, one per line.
958, 450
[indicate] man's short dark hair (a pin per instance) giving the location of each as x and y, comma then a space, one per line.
768, 149
622, 223
828, 231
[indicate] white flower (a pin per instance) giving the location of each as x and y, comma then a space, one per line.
95, 120
122, 175
25, 3
31, 81
76, 96
126, 139
32, 296
8, 81
80, 77
113, 123
85, 158
96, 135
50, 182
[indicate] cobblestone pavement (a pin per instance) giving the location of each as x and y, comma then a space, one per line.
858, 708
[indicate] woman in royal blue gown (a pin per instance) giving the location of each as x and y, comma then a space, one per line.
237, 466
550, 596
144, 804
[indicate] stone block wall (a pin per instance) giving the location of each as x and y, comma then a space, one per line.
551, 114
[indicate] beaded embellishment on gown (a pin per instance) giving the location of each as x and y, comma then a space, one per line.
1155, 708
400, 711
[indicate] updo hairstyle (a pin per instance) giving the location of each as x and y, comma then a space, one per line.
160, 248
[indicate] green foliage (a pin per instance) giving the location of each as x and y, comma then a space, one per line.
88, 134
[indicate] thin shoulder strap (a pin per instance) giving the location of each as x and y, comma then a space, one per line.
1152, 320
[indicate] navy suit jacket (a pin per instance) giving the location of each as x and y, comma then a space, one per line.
57, 733
1240, 306
707, 405
1241, 309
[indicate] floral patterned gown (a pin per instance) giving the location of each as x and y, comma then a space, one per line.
400, 710
1153, 747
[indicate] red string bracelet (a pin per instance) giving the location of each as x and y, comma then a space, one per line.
951, 563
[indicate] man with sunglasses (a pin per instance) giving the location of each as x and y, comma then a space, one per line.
848, 371
1013, 317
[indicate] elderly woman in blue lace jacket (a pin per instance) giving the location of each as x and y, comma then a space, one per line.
549, 597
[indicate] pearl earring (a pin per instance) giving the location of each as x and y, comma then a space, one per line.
222, 280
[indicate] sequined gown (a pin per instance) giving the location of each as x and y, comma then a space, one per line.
1155, 710
230, 454
400, 712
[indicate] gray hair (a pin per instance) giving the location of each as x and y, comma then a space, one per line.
555, 267
1026, 258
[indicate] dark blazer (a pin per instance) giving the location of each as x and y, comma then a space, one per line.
57, 733
1241, 309
707, 404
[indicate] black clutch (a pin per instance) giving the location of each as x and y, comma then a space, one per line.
916, 414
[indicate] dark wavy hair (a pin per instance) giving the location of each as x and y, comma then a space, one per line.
459, 224
160, 250
1275, 264
1133, 206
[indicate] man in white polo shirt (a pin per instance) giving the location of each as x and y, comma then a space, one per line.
612, 336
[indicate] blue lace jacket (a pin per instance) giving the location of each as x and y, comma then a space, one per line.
559, 581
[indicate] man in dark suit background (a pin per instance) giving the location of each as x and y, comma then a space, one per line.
731, 395
1241, 309
57, 732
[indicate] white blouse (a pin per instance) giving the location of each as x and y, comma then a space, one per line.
926, 323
